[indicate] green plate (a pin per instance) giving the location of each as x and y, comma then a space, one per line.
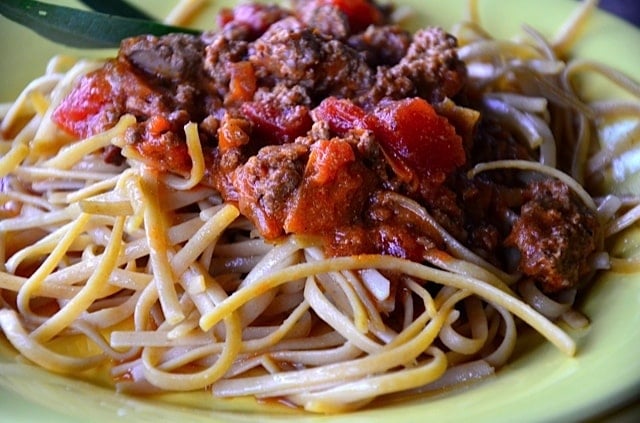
540, 384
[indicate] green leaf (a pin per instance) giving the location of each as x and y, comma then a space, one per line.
118, 8
79, 28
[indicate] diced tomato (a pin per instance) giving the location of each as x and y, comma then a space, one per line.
243, 82
327, 158
415, 136
232, 133
80, 112
158, 124
342, 115
165, 156
224, 17
276, 125
333, 193
360, 13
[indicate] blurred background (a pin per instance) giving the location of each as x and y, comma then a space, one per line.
626, 9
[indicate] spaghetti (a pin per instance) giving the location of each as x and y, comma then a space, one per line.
156, 272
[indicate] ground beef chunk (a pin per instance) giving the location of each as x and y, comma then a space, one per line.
431, 69
340, 18
433, 62
172, 58
292, 56
382, 45
284, 96
224, 48
555, 235
388, 84
344, 72
289, 55
266, 183
325, 18
172, 68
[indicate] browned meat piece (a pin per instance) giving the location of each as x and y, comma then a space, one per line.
431, 69
174, 57
222, 50
555, 234
346, 18
433, 62
266, 183
382, 45
325, 18
292, 56
172, 67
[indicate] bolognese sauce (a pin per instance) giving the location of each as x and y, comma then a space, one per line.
308, 116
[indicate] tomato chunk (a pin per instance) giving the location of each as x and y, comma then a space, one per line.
414, 135
243, 82
342, 115
277, 125
164, 155
327, 158
256, 17
81, 112
360, 13
333, 192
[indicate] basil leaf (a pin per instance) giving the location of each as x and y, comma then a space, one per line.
118, 8
79, 28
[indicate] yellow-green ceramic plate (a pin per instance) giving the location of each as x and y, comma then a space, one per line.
541, 384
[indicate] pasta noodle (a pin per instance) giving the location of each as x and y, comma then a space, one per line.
173, 289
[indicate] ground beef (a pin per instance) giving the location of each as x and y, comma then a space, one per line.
174, 58
430, 69
266, 184
382, 45
324, 18
554, 235
172, 67
341, 18
284, 96
298, 55
223, 49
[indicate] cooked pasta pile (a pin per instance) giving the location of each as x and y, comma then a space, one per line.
156, 276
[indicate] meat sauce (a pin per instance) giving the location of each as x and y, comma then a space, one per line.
308, 116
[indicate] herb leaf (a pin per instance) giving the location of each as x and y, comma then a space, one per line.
79, 28
118, 8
